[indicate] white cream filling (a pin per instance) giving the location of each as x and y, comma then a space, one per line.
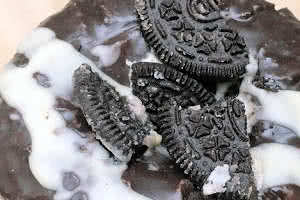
57, 149
217, 180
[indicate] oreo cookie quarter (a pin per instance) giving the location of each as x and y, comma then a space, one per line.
154, 84
191, 36
108, 114
202, 140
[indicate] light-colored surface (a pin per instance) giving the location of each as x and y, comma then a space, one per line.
56, 148
17, 18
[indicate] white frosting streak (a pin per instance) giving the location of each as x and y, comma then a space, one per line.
57, 149
275, 164
280, 107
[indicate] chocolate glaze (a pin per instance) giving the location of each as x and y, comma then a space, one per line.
156, 177
277, 32
86, 14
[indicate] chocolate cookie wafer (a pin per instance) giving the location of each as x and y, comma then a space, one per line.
208, 139
154, 84
107, 113
192, 36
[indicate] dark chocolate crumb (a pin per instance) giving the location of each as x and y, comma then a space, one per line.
118, 129
80, 196
70, 181
193, 37
20, 60
267, 83
42, 79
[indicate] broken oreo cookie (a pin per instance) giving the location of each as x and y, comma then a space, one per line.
201, 140
155, 83
191, 36
108, 114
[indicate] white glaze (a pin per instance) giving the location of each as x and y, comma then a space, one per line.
282, 107
57, 149
245, 97
275, 164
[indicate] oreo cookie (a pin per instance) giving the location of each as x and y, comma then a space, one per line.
155, 83
108, 114
191, 36
200, 140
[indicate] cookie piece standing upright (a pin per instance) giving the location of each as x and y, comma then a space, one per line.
155, 83
107, 113
210, 139
191, 36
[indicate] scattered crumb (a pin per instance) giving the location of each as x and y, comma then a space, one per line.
20, 60
42, 79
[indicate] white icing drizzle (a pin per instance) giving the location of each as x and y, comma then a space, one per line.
275, 164
244, 96
281, 107
57, 149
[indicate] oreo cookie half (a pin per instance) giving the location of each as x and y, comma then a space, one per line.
191, 36
107, 113
200, 140
154, 84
